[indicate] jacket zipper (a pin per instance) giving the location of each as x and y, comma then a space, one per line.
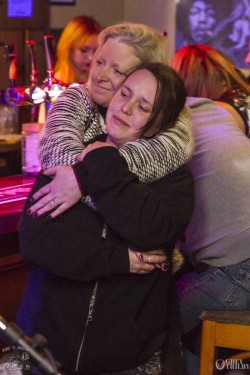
89, 319
91, 305
104, 231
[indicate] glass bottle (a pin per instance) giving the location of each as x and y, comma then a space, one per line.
30, 143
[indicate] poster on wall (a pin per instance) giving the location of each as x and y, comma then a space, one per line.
223, 24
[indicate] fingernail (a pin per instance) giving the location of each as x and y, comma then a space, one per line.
139, 256
29, 212
164, 267
35, 214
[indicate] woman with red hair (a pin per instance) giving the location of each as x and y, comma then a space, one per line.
75, 50
208, 73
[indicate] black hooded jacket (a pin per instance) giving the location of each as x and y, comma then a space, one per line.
96, 315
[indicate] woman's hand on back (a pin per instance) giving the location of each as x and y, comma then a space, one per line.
59, 195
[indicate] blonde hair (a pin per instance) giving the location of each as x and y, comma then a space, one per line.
149, 45
207, 72
78, 32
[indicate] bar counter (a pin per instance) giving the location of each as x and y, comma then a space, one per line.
10, 154
13, 193
14, 270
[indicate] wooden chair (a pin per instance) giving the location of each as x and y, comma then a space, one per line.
225, 329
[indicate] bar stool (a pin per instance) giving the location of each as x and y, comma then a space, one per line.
226, 329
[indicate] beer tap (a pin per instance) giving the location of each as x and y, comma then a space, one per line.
13, 95
34, 73
2, 92
49, 44
52, 87
36, 94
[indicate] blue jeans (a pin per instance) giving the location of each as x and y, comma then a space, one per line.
150, 367
225, 288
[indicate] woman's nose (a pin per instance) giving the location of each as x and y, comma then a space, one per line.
127, 108
103, 74
91, 55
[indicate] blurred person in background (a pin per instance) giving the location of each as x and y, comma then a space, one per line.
75, 50
216, 240
216, 78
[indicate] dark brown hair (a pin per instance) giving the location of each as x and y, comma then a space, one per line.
170, 97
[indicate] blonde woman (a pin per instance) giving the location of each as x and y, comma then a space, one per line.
78, 115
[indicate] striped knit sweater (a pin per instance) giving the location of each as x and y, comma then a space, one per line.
73, 120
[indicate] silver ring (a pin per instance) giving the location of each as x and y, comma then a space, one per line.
149, 259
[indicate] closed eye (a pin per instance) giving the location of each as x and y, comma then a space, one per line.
143, 109
125, 92
99, 62
117, 71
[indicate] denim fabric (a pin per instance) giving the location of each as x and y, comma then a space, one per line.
151, 367
225, 288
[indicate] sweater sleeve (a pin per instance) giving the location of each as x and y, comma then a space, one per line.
147, 216
151, 159
72, 246
71, 121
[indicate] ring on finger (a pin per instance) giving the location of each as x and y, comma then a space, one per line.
149, 259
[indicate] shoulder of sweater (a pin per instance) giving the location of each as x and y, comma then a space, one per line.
76, 91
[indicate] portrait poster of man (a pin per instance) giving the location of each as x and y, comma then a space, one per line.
222, 24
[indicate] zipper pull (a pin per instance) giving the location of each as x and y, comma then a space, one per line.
104, 231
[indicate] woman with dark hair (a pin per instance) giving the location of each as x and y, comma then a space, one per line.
99, 314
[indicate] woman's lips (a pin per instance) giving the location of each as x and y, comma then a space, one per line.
119, 121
